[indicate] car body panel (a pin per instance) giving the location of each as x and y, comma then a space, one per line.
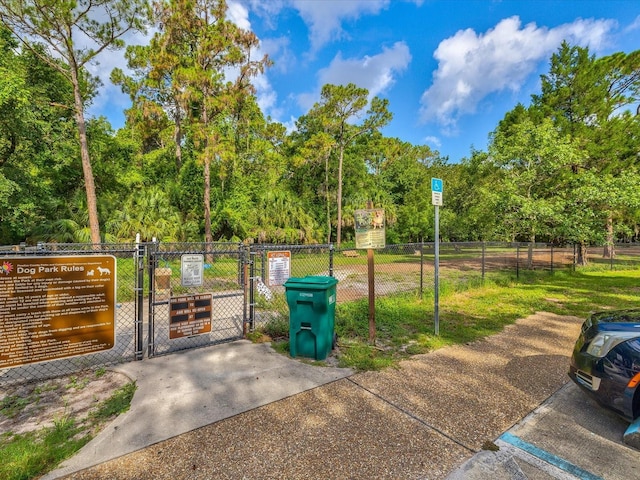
606, 378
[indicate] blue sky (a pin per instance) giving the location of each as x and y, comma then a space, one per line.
450, 69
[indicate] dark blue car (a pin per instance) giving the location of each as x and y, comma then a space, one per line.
606, 360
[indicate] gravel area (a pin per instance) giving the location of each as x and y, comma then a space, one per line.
420, 420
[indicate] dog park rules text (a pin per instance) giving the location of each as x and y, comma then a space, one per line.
55, 307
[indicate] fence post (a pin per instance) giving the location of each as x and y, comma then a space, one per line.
517, 261
252, 278
483, 253
552, 258
246, 251
152, 258
138, 258
421, 267
611, 256
331, 253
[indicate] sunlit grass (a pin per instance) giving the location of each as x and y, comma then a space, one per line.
474, 309
29, 455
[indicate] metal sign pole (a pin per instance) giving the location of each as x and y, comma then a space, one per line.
436, 307
436, 200
372, 289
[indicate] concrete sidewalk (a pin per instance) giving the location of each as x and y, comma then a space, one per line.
187, 390
568, 437
261, 417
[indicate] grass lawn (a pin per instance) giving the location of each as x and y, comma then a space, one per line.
405, 323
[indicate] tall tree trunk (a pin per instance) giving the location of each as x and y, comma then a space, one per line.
326, 193
609, 251
208, 237
339, 226
532, 241
89, 183
177, 138
582, 254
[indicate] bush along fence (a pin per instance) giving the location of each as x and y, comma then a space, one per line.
176, 296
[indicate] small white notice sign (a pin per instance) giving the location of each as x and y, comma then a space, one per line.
279, 265
192, 270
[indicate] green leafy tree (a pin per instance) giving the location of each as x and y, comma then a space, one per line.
61, 26
589, 99
470, 209
533, 159
149, 212
14, 102
403, 171
318, 150
207, 61
39, 156
156, 108
336, 114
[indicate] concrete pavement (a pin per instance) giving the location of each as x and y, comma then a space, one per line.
248, 412
187, 390
568, 437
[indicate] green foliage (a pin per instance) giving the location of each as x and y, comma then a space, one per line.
469, 311
198, 159
277, 329
28, 455
588, 99
363, 357
12, 405
55, 25
118, 403
533, 161
327, 129
149, 212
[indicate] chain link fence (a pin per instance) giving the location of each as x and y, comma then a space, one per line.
410, 269
243, 286
268, 308
124, 349
207, 278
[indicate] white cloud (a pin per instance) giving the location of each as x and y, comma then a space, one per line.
110, 96
472, 66
324, 19
279, 50
635, 25
434, 141
238, 14
375, 73
268, 10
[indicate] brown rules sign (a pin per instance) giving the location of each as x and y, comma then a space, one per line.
190, 315
56, 307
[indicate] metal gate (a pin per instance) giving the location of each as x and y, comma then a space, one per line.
178, 296
196, 295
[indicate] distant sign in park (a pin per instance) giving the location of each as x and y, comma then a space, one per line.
56, 307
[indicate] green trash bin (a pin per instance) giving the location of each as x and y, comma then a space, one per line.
312, 307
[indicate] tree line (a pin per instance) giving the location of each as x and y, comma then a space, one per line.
198, 160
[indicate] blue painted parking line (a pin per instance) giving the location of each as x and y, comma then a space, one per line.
632, 435
548, 457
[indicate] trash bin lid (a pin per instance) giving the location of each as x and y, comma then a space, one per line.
311, 282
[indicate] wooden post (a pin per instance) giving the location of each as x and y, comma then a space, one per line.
372, 289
